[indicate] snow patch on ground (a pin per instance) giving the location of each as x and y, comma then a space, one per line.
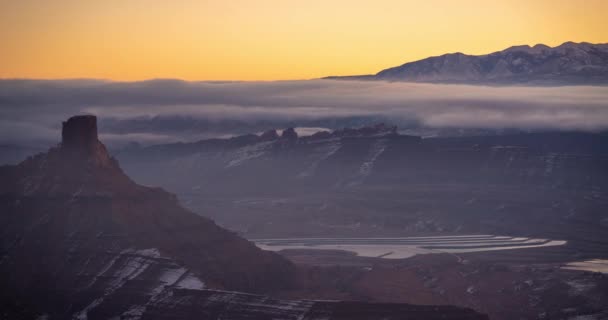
579, 287
247, 153
172, 277
130, 264
190, 282
137, 261
376, 150
550, 163
326, 152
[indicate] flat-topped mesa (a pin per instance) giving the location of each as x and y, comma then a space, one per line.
79, 139
79, 133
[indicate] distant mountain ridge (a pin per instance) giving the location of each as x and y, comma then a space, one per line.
568, 63
363, 161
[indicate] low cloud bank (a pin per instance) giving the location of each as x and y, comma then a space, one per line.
31, 110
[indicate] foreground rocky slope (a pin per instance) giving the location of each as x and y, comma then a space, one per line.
80, 240
205, 304
569, 63
490, 282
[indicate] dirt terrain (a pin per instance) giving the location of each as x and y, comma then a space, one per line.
512, 288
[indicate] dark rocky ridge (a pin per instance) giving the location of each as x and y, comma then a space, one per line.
529, 184
206, 304
81, 240
569, 63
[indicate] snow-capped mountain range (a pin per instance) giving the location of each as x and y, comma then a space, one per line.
568, 63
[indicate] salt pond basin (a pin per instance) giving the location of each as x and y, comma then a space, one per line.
405, 247
595, 265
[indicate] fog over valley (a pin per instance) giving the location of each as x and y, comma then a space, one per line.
161, 111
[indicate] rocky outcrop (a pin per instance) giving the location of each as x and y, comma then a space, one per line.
74, 202
377, 130
79, 141
79, 132
269, 135
289, 134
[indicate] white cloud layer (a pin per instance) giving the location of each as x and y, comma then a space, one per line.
33, 109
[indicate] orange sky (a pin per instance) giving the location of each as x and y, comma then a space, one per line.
271, 39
